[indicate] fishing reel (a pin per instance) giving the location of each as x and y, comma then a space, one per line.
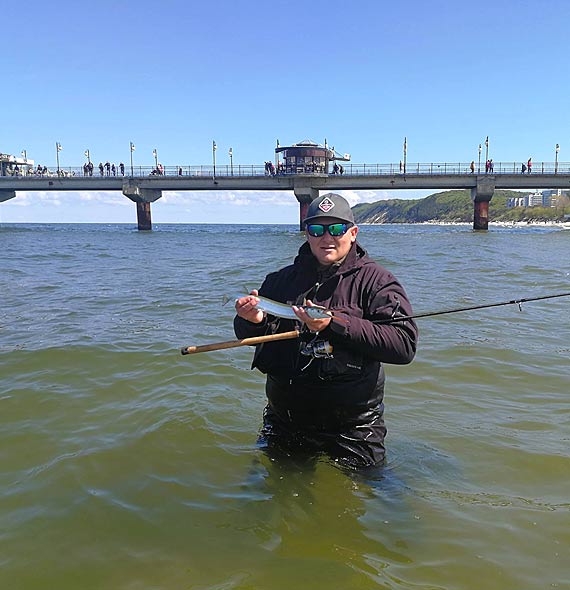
318, 349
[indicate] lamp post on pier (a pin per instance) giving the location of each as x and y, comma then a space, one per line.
556, 159
132, 146
214, 148
58, 149
486, 151
155, 154
231, 154
480, 149
405, 152
88, 156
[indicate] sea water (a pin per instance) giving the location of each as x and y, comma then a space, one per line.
126, 466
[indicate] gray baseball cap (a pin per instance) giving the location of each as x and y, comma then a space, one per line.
329, 205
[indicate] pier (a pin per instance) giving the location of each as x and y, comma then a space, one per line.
143, 186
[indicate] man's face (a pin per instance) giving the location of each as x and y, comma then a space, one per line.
329, 249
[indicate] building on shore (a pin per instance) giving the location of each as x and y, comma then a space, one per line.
545, 198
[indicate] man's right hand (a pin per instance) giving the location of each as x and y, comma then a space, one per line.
245, 308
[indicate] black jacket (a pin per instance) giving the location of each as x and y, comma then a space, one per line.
361, 292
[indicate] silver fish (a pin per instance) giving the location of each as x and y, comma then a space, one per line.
282, 310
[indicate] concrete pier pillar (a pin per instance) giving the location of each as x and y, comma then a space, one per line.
481, 215
143, 197
304, 194
303, 207
144, 221
481, 195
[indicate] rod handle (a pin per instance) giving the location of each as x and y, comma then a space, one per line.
235, 343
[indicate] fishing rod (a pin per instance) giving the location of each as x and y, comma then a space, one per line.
518, 302
243, 342
394, 320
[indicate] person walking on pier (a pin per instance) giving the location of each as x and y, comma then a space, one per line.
529, 165
101, 169
523, 168
472, 166
325, 389
122, 169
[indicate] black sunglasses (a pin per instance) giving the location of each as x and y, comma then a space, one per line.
316, 230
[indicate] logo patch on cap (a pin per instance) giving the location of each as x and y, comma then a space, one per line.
326, 205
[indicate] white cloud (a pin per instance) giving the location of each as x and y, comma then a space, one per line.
172, 207
185, 198
68, 198
235, 198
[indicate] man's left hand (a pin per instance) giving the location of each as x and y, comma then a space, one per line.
313, 325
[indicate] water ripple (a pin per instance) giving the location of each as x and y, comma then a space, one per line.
128, 466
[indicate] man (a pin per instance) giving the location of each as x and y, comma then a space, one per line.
325, 389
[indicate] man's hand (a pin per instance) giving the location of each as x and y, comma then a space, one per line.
245, 308
313, 325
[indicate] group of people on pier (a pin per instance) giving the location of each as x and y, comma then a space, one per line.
527, 168
271, 170
106, 169
38, 171
489, 166
307, 167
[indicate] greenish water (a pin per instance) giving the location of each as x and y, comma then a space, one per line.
125, 466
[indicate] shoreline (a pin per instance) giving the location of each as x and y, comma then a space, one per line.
560, 224
504, 223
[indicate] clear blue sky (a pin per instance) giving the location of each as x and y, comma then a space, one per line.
175, 75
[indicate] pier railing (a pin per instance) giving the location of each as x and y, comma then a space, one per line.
247, 170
